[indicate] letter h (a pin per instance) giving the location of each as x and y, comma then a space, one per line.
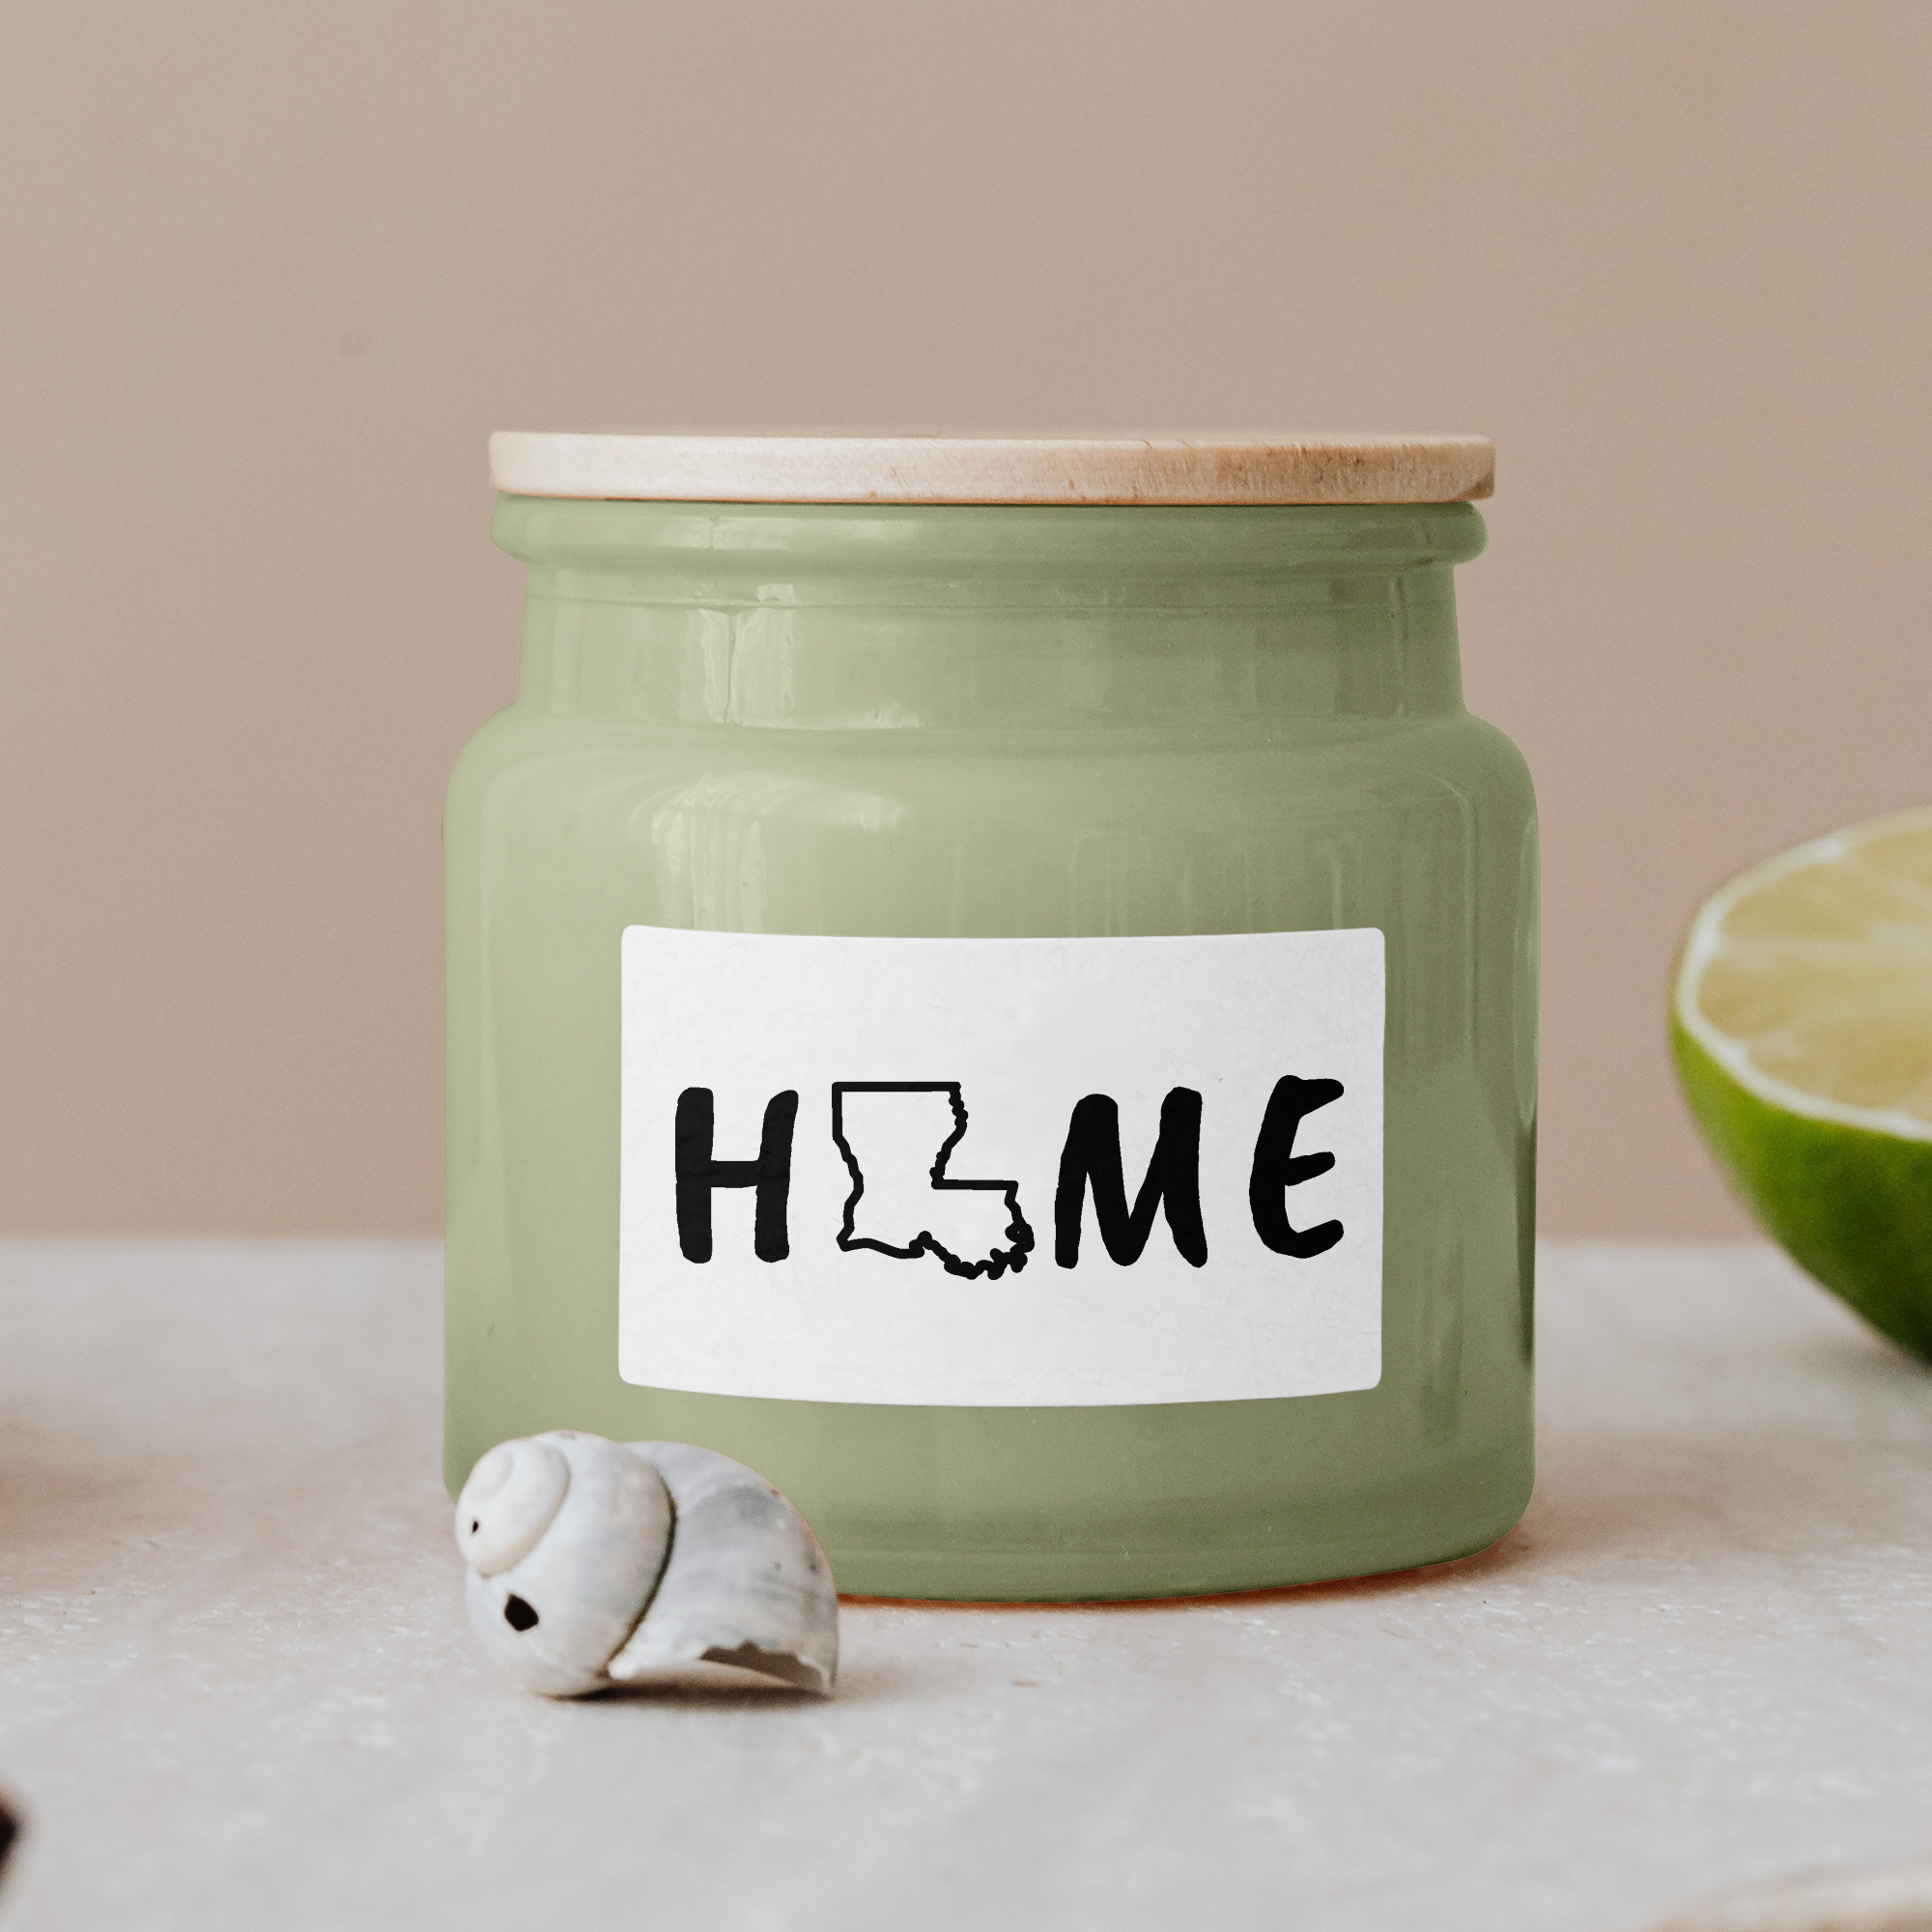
697, 1174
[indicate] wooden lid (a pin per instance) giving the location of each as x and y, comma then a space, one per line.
995, 469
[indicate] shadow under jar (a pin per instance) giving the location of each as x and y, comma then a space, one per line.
1014, 1018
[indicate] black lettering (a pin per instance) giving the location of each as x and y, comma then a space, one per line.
1278, 1168
1092, 1157
697, 1174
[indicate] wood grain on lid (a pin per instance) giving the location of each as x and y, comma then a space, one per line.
995, 469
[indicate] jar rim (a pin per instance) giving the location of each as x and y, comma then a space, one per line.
910, 553
1253, 469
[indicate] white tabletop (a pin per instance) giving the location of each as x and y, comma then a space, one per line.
239, 1690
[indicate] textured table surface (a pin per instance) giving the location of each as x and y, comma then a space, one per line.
237, 1689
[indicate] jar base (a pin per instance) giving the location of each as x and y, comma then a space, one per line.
1098, 1577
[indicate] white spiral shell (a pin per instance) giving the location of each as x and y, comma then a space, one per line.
589, 1561
593, 1563
509, 1502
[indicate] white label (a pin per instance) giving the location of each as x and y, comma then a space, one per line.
885, 1169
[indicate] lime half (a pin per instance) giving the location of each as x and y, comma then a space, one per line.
1802, 1022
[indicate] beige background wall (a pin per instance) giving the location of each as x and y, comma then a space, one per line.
269, 274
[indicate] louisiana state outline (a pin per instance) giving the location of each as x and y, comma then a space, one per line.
896, 1137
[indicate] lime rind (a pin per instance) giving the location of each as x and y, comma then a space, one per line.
1851, 1206
1845, 1189
1705, 941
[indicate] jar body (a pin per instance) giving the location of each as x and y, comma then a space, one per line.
982, 723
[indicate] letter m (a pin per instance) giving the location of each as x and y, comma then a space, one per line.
1091, 1158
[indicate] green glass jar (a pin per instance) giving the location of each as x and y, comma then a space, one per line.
1011, 1010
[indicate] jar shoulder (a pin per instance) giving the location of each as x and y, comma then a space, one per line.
498, 745
1488, 754
528, 758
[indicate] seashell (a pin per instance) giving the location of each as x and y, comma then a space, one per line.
554, 1615
593, 1562
509, 1502
747, 1584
